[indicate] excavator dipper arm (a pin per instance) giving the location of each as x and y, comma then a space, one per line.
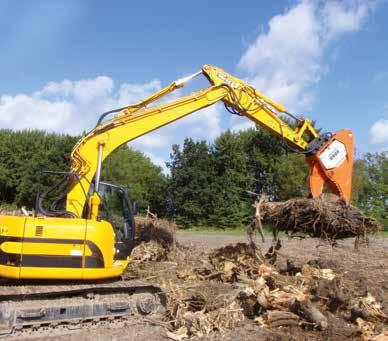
330, 156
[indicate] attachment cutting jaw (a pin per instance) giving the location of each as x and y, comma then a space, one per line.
332, 164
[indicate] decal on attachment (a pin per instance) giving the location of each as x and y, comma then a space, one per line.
334, 155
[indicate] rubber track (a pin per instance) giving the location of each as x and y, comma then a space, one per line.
19, 292
52, 291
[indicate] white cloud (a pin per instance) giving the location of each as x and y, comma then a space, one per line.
242, 124
131, 93
74, 106
83, 91
23, 111
378, 133
153, 140
288, 58
157, 160
67, 106
204, 124
341, 17
284, 61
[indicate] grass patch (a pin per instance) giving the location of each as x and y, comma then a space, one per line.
383, 234
241, 231
214, 230
4, 207
236, 231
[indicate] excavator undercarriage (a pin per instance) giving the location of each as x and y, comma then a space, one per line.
25, 307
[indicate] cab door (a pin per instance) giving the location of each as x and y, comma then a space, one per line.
117, 210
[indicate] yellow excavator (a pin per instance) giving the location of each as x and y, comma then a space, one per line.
87, 234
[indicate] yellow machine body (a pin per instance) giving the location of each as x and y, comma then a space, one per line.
57, 248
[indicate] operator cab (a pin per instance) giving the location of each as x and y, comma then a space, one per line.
116, 208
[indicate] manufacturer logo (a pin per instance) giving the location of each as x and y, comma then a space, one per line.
228, 81
333, 154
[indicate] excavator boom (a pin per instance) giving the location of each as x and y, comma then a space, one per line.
330, 156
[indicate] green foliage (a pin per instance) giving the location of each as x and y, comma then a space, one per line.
145, 181
360, 184
6, 208
191, 185
207, 185
23, 155
277, 172
263, 152
231, 204
291, 176
370, 184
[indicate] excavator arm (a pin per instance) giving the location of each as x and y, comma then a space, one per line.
330, 155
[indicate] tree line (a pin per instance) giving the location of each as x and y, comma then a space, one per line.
207, 183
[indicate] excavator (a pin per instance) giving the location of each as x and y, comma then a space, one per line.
64, 263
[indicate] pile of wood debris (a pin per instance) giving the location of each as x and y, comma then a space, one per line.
155, 238
150, 228
327, 217
220, 290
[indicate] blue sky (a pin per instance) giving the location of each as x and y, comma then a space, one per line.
64, 62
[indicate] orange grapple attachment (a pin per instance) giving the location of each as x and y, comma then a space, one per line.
333, 164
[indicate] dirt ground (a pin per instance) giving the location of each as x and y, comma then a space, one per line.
368, 267
366, 270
